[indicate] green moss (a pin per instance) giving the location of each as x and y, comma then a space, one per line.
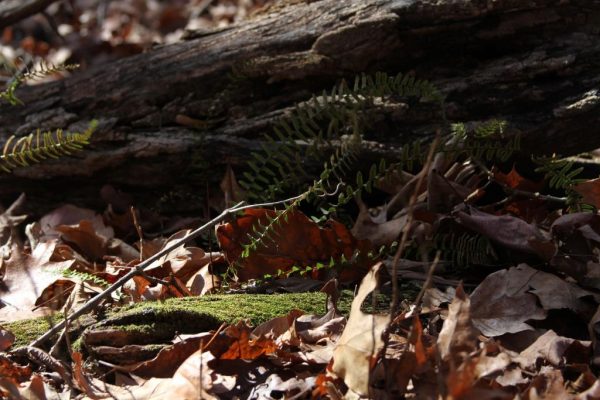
162, 319
192, 314
27, 330
230, 308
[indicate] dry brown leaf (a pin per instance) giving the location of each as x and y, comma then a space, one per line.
13, 372
380, 233
203, 281
548, 384
6, 339
296, 242
361, 339
510, 232
590, 191
276, 327
11, 218
404, 357
65, 215
244, 347
514, 180
551, 349
232, 191
443, 194
292, 388
26, 277
89, 237
501, 303
168, 359
458, 335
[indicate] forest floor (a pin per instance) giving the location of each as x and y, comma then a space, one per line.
465, 275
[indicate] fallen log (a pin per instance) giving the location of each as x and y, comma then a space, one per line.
534, 64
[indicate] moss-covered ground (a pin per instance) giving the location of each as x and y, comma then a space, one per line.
197, 314
230, 308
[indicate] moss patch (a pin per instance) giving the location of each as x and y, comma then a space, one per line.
190, 312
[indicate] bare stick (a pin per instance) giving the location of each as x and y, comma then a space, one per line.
93, 302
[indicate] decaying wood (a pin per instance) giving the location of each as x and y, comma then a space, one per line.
12, 11
535, 64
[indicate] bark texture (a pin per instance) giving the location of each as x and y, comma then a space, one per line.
534, 63
12, 11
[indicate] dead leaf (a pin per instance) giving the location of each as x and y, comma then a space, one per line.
444, 194
65, 215
590, 191
232, 191
514, 180
203, 281
274, 387
6, 339
510, 232
361, 339
380, 233
25, 279
90, 237
298, 241
549, 384
243, 346
501, 303
551, 349
169, 358
277, 326
12, 371
458, 334
11, 218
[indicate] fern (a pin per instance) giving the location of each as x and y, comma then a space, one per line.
560, 172
85, 276
485, 141
314, 127
42, 70
39, 146
334, 122
465, 250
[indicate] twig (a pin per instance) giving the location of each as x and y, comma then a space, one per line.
93, 302
406, 230
138, 229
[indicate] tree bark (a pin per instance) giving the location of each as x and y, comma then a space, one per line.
535, 64
12, 11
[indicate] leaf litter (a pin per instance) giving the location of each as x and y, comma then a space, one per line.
524, 324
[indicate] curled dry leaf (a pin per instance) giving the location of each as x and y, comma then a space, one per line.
10, 219
13, 372
514, 180
6, 339
169, 358
297, 241
244, 347
590, 191
25, 278
361, 339
501, 303
553, 349
458, 335
90, 237
65, 215
510, 232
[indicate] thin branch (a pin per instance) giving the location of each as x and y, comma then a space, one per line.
93, 302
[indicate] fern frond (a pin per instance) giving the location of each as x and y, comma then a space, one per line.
39, 146
466, 249
42, 70
560, 173
314, 127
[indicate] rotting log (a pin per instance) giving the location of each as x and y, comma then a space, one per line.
12, 11
535, 64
